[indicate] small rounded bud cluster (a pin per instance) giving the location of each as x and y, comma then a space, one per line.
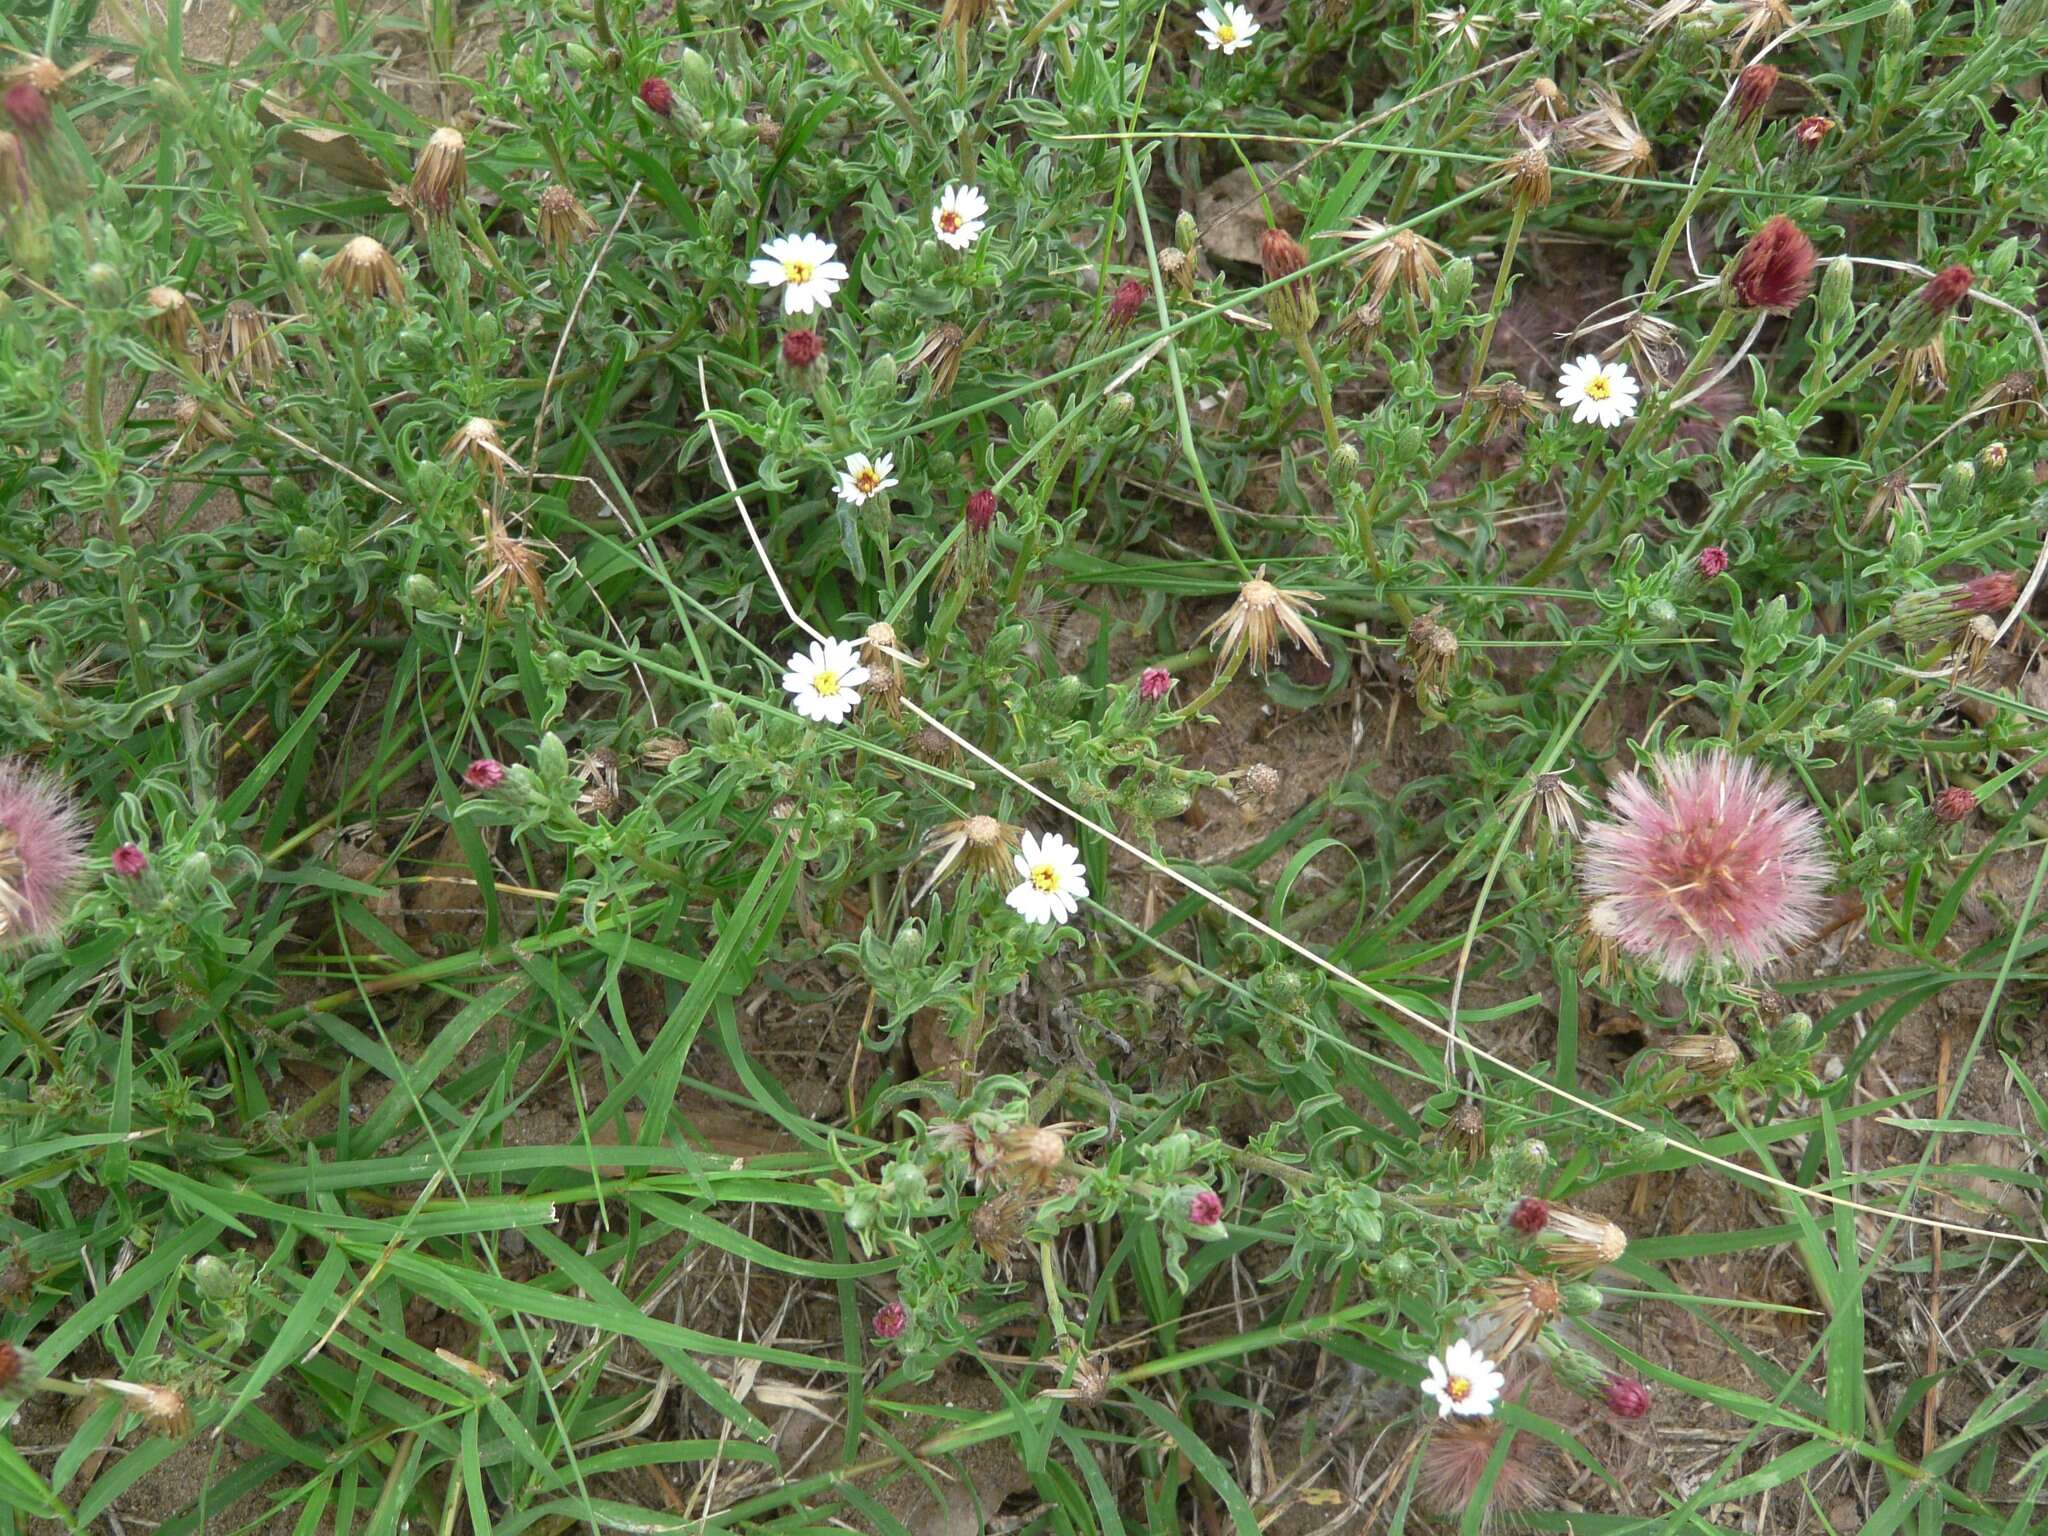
1954, 804
891, 1319
801, 348
1626, 1397
659, 96
484, 773
1530, 1215
1711, 561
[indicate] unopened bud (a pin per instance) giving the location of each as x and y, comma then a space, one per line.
1454, 290
1185, 234
1837, 292
1345, 464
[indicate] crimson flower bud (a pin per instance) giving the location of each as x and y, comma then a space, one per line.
1530, 1215
1154, 683
484, 773
1753, 90
1955, 804
1808, 132
981, 511
800, 349
1711, 561
1774, 270
28, 110
890, 1320
659, 95
1125, 303
1205, 1209
1626, 1398
130, 861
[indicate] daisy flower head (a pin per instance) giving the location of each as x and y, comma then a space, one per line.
802, 266
1052, 882
1720, 862
1228, 27
960, 216
1598, 392
864, 477
823, 683
1463, 1382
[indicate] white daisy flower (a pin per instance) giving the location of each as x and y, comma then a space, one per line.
1597, 391
803, 268
824, 682
960, 217
1463, 1382
1230, 28
864, 477
1053, 881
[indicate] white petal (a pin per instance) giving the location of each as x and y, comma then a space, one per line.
854, 676
764, 273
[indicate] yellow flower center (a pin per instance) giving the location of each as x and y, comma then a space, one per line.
1045, 877
1458, 1388
825, 684
1599, 387
796, 271
1225, 32
867, 482
950, 222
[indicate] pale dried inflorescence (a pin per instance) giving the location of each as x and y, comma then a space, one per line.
1251, 629
171, 323
1608, 139
980, 846
1396, 258
564, 222
1579, 1245
362, 270
440, 175
249, 347
1721, 863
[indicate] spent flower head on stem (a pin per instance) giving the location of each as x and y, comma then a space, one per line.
1251, 629
1773, 271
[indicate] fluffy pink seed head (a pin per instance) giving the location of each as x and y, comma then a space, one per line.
42, 850
1720, 862
1454, 1465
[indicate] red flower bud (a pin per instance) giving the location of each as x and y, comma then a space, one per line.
1808, 132
1626, 1398
484, 773
1530, 1215
1753, 90
1775, 270
1280, 254
890, 1320
981, 511
130, 861
1955, 804
800, 349
1154, 683
1205, 1209
1125, 303
659, 95
11, 1364
1711, 561
1993, 592
1945, 290
27, 109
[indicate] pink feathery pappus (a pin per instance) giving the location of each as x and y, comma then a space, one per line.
42, 851
1719, 862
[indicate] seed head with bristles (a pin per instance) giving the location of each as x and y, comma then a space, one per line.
1706, 1055
477, 440
1519, 1306
362, 270
1608, 139
1431, 652
1528, 173
197, 426
511, 565
980, 846
161, 1407
999, 1225
1721, 863
170, 321
1774, 270
1579, 1245
249, 345
1557, 800
1454, 1466
440, 175
1540, 101
1396, 258
42, 851
1252, 628
563, 221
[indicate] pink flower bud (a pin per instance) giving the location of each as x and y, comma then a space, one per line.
1530, 1215
800, 349
890, 1320
130, 861
1711, 561
659, 95
484, 773
1125, 303
1955, 804
1626, 1398
1205, 1209
981, 511
1154, 683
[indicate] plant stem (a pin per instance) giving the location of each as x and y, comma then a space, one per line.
1500, 293
1820, 680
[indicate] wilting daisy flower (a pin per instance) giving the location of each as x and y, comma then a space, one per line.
1596, 391
959, 217
1229, 27
864, 477
1722, 863
802, 266
1053, 880
824, 682
1464, 1382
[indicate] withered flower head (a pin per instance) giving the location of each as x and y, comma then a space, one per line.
599, 771
1431, 652
1262, 781
197, 426
1508, 404
1088, 1384
1925, 367
1528, 173
477, 440
440, 174
964, 14
658, 752
1765, 19
1540, 100
883, 658
939, 353
1553, 796
1519, 1306
16, 185
1292, 306
162, 1407
2013, 401
1175, 267
1579, 1244
170, 322
251, 346
999, 1224
1031, 1156
1754, 88
1395, 257
1708, 1055
1608, 139
362, 270
979, 845
1251, 629
1774, 270
1655, 346
564, 222
1460, 1455
511, 565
